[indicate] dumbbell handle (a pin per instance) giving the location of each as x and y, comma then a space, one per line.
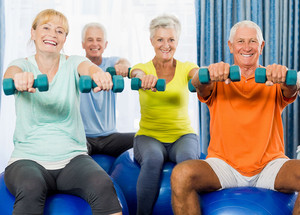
291, 76
112, 71
41, 82
136, 84
191, 87
86, 83
234, 74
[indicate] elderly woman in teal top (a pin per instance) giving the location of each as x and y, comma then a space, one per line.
50, 151
165, 129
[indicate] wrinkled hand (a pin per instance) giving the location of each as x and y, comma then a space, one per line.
103, 81
219, 72
121, 69
276, 74
24, 81
149, 82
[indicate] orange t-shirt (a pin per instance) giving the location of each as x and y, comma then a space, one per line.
245, 124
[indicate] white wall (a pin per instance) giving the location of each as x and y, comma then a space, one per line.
127, 24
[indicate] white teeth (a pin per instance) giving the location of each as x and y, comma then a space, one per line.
165, 51
246, 55
51, 42
94, 49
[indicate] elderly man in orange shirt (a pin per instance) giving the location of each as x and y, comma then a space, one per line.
247, 145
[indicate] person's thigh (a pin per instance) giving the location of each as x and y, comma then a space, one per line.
288, 177
148, 149
226, 174
266, 178
187, 147
114, 144
30, 183
195, 175
85, 178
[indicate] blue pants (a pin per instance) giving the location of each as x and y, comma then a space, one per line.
30, 183
151, 155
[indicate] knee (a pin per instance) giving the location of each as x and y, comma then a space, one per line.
182, 176
30, 189
153, 162
100, 186
187, 155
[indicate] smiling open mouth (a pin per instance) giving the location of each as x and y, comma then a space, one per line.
247, 55
50, 42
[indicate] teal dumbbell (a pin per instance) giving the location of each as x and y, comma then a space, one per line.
234, 74
291, 76
41, 82
86, 83
112, 71
136, 84
191, 87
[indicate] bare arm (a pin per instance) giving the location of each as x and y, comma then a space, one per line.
193, 72
23, 80
101, 78
148, 81
276, 74
122, 66
217, 72
204, 90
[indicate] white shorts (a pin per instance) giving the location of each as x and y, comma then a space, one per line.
229, 177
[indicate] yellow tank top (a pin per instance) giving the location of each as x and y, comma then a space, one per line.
164, 115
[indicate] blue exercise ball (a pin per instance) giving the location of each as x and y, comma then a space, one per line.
105, 161
247, 200
57, 204
125, 172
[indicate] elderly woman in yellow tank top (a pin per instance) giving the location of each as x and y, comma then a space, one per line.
165, 129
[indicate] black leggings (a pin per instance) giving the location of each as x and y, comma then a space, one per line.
30, 183
113, 145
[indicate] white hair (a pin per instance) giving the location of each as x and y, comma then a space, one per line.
249, 24
93, 25
165, 21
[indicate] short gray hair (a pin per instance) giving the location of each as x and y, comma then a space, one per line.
93, 25
249, 24
165, 21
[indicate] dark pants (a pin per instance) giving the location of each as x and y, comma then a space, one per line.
151, 155
114, 144
30, 183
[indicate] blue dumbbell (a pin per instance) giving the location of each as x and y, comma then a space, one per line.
41, 82
291, 76
136, 84
234, 74
112, 71
191, 87
86, 83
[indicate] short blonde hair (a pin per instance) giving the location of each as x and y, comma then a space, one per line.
165, 21
48, 14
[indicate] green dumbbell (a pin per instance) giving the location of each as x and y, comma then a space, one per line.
191, 87
86, 83
112, 71
234, 74
291, 76
41, 82
136, 84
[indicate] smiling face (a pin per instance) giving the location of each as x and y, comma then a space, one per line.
245, 47
49, 36
164, 42
94, 43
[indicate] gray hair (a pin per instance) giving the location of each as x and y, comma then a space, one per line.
165, 21
249, 24
93, 25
